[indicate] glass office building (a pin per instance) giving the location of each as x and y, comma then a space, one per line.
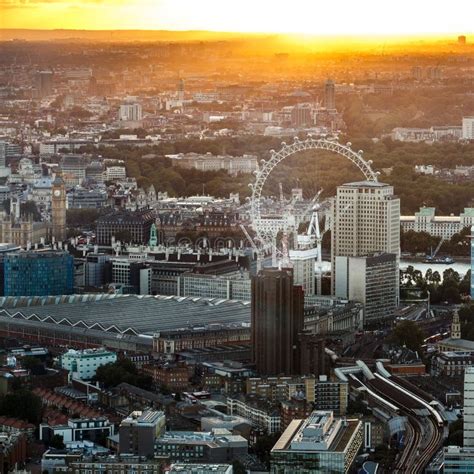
34, 273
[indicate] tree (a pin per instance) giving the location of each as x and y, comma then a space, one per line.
123, 370
22, 404
57, 442
408, 333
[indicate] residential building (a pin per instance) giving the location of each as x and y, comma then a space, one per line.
366, 220
116, 465
451, 363
469, 407
261, 412
217, 446
139, 432
173, 376
371, 280
83, 364
130, 112
38, 273
327, 395
329, 95
319, 444
78, 429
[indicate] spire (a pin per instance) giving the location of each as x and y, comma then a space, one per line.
456, 326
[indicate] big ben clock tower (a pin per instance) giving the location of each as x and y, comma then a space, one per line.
58, 209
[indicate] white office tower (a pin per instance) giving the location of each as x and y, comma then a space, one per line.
303, 262
130, 112
469, 407
365, 221
468, 128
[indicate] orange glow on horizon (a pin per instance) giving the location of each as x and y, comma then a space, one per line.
301, 17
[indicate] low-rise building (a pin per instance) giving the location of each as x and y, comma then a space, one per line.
217, 446
83, 364
262, 413
78, 429
320, 443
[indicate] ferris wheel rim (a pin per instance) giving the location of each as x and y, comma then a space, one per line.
310, 143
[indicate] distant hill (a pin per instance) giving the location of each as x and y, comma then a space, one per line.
117, 35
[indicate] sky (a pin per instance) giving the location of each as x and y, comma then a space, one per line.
317, 17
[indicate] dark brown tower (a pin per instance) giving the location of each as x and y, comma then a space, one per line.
277, 319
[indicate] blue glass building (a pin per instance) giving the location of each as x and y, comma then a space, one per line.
35, 273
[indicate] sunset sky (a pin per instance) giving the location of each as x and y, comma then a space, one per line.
400, 17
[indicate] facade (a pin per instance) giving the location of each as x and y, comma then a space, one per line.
190, 468
114, 465
215, 286
58, 210
217, 446
171, 342
113, 173
134, 277
80, 198
318, 444
127, 226
425, 220
139, 431
23, 231
277, 320
452, 363
458, 460
327, 395
32, 273
78, 429
208, 162
303, 262
468, 128
371, 280
469, 407
83, 364
261, 413
172, 376
366, 220
95, 269
130, 112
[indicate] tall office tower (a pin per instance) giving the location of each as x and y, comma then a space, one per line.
469, 407
181, 89
366, 220
130, 112
44, 83
277, 320
329, 95
58, 209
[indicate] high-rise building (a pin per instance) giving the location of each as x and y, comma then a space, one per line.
366, 220
3, 154
58, 209
468, 128
469, 407
330, 95
461, 39
38, 273
371, 280
277, 320
44, 83
130, 112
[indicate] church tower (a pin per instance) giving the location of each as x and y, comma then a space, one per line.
456, 327
58, 209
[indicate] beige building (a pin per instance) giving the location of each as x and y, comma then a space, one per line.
366, 220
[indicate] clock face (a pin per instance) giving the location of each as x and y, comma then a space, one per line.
57, 193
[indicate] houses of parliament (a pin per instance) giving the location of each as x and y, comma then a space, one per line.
23, 229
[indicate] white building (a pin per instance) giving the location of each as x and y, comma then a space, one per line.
83, 364
259, 417
113, 173
303, 268
469, 407
366, 220
130, 112
445, 227
468, 128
